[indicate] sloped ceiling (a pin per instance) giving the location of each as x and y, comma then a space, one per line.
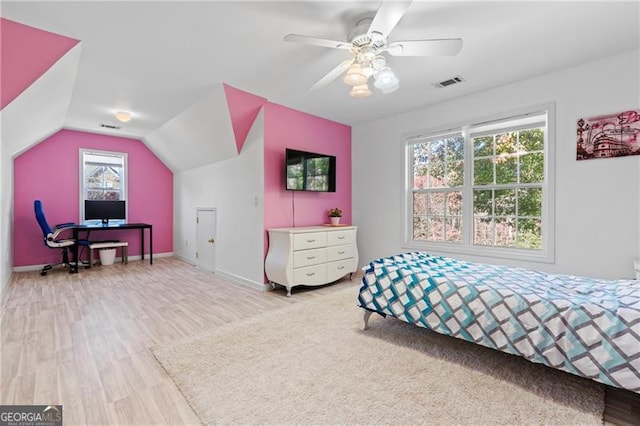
26, 54
38, 75
39, 72
214, 129
160, 59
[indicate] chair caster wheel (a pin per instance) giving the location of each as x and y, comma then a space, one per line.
43, 273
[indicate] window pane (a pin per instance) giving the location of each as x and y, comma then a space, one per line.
420, 166
532, 140
506, 143
506, 169
455, 174
436, 229
453, 226
420, 228
532, 168
483, 147
454, 203
530, 233
420, 203
483, 202
505, 232
436, 172
505, 202
455, 149
436, 204
530, 202
483, 172
482, 231
102, 176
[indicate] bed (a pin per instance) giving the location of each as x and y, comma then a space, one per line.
584, 326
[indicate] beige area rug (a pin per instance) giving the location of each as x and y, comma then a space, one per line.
311, 363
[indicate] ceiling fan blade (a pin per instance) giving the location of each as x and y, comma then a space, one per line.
314, 41
434, 47
332, 75
386, 19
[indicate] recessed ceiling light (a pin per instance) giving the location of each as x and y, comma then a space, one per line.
123, 116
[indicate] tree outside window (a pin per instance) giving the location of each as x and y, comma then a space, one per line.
482, 187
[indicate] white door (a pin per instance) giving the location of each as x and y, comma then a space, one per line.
206, 239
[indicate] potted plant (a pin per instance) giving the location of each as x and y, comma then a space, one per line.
334, 215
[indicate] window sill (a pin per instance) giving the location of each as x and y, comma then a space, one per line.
490, 252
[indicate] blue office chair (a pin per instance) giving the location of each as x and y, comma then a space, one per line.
51, 239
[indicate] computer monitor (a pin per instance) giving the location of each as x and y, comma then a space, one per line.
104, 210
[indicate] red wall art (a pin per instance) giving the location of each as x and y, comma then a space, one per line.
607, 136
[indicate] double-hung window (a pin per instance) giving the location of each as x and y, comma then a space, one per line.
483, 188
103, 176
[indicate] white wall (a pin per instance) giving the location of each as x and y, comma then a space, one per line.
597, 201
232, 186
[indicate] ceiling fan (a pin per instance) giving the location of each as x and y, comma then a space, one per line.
367, 42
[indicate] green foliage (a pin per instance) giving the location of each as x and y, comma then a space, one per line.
509, 158
335, 212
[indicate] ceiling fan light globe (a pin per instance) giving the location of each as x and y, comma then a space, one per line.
387, 85
378, 62
361, 91
368, 71
355, 76
385, 77
391, 89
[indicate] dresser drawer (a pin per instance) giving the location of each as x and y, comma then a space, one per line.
309, 240
310, 275
335, 238
336, 270
309, 257
339, 252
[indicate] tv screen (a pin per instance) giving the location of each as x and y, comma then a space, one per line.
309, 171
104, 210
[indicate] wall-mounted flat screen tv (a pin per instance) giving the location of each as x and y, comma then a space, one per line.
309, 171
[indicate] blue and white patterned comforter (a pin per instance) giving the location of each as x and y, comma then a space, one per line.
585, 326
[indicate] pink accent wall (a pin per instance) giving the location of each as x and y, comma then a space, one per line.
50, 172
289, 128
243, 109
26, 53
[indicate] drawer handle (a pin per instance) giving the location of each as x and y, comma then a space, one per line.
311, 241
341, 238
310, 274
311, 257
340, 268
341, 252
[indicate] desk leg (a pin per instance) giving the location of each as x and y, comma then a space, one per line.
150, 244
74, 250
142, 242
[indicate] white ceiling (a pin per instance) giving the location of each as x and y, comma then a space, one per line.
156, 59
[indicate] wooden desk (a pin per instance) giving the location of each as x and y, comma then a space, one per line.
114, 227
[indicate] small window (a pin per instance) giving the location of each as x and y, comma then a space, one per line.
103, 177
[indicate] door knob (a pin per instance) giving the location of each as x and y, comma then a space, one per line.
211, 240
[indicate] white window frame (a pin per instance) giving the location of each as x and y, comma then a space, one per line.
547, 252
124, 182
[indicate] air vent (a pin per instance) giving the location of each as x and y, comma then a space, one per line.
109, 126
450, 82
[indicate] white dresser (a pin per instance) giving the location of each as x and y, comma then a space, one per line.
311, 255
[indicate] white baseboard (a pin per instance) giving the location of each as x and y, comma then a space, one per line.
244, 281
29, 268
184, 259
229, 276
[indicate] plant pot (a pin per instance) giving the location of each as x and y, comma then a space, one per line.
335, 220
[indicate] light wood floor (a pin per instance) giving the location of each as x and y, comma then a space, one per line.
83, 340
